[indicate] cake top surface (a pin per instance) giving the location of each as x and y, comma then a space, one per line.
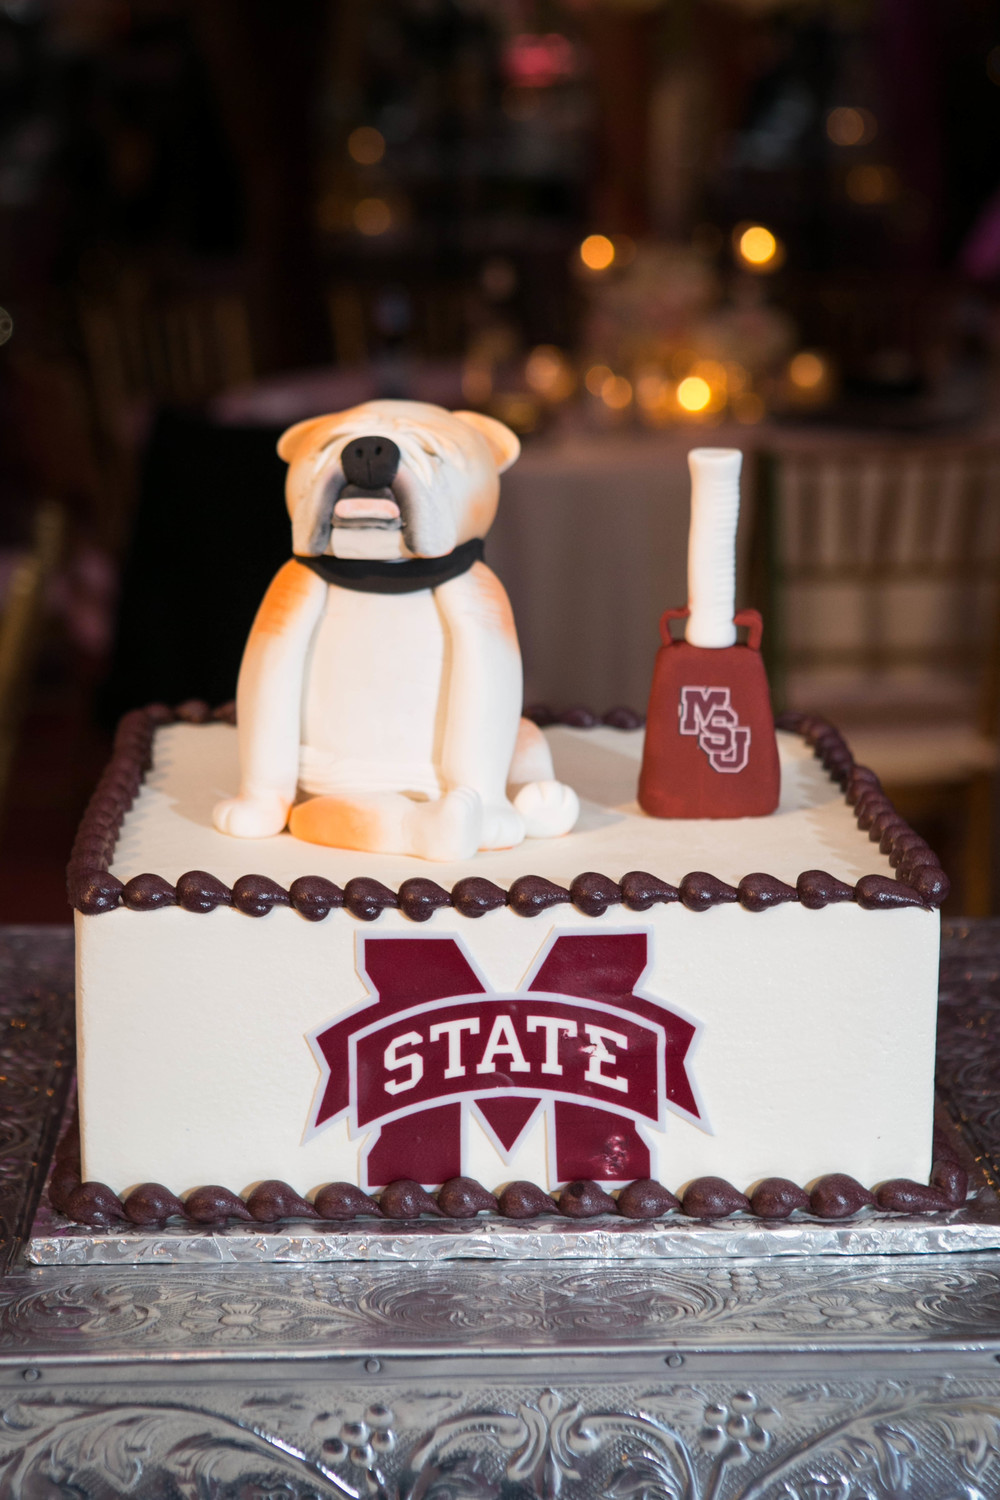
169, 831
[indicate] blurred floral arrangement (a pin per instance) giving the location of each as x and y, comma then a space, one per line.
658, 334
664, 340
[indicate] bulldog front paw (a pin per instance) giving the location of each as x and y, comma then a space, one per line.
251, 817
503, 826
549, 809
447, 828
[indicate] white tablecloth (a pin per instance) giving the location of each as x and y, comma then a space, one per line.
591, 544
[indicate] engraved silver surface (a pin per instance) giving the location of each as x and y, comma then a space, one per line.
770, 1439
98, 1316
968, 1053
36, 1064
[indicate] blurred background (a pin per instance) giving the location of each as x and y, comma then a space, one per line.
625, 227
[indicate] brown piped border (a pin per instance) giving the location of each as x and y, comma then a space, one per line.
92, 889
835, 1196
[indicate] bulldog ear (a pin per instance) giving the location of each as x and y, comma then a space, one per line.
504, 444
293, 439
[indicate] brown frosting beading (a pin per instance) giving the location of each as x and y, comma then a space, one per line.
835, 1196
713, 1198
526, 1200
342, 1200
646, 1199
777, 1197
838, 1196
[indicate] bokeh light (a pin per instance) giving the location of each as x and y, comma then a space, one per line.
549, 373
597, 252
366, 145
595, 378
616, 392
536, 60
847, 126
757, 248
694, 393
810, 379
757, 245
654, 397
807, 370
372, 216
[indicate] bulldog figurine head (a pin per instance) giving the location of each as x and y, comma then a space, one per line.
394, 479
379, 699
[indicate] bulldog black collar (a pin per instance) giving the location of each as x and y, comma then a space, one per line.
396, 577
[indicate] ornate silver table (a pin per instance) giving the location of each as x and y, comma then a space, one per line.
823, 1378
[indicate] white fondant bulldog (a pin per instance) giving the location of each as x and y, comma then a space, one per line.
391, 721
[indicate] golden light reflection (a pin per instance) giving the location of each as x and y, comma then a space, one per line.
597, 252
758, 248
372, 216
694, 393
616, 392
595, 378
549, 373
366, 145
807, 370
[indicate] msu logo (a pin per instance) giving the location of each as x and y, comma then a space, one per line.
434, 1047
707, 713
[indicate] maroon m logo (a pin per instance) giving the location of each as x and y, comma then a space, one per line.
435, 1044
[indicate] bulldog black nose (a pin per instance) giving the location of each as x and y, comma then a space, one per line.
370, 462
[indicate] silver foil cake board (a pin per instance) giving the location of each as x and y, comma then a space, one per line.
974, 1227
